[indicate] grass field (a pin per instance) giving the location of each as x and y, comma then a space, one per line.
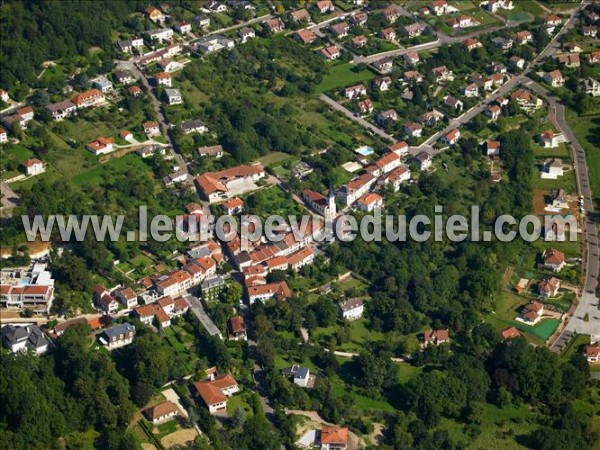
542, 330
342, 76
567, 181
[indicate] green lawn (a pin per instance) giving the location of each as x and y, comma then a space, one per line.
342, 75
239, 401
567, 181
576, 345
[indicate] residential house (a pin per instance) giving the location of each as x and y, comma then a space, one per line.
592, 352
21, 338
274, 25
510, 333
201, 21
413, 30
370, 202
217, 7
216, 186
127, 297
154, 14
330, 53
300, 15
492, 148
411, 57
430, 118
549, 288
356, 188
360, 41
301, 258
194, 126
4, 96
413, 129
388, 114
452, 137
365, 106
553, 260
124, 77
163, 79
168, 65
569, 60
279, 291
118, 336
495, 5
472, 44
161, 413
441, 73
552, 168
523, 37
246, 33
33, 166
531, 313
463, 22
359, 19
435, 337
61, 110
174, 96
333, 438
591, 87
215, 391
215, 151
325, 6
161, 35
383, 65
594, 57
3, 136
391, 13
305, 36
590, 31
101, 146
453, 103
340, 30
388, 34
493, 112
382, 83
423, 160
89, 98
236, 328
572, 47
233, 206
356, 91
441, 7
412, 75
471, 90
352, 309
151, 128
503, 43
549, 139
300, 375
213, 43
517, 62
552, 21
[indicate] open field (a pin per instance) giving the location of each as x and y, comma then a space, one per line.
343, 75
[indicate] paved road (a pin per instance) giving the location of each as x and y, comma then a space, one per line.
366, 124
588, 303
157, 105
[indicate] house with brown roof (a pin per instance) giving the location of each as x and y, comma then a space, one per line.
236, 329
279, 291
435, 337
325, 6
549, 287
89, 98
305, 36
592, 353
510, 333
215, 391
553, 260
274, 25
300, 15
330, 53
352, 309
161, 413
333, 438
340, 30
554, 78
217, 186
531, 313
472, 44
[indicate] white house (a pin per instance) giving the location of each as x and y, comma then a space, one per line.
163, 412
300, 375
552, 168
352, 309
33, 166
215, 391
174, 96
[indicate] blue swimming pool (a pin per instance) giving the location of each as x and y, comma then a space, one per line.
365, 150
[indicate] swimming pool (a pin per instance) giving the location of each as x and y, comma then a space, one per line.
365, 150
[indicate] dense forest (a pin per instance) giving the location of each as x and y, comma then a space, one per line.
34, 32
